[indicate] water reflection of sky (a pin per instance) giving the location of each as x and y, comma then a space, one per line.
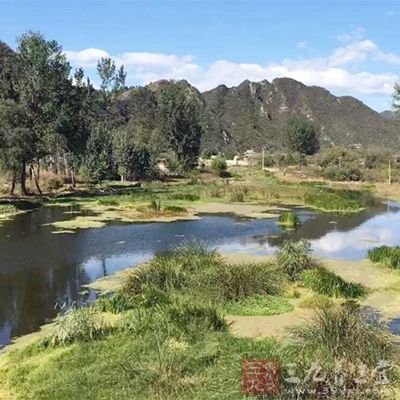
353, 243
381, 230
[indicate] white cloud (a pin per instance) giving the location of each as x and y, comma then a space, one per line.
344, 70
354, 35
86, 57
390, 13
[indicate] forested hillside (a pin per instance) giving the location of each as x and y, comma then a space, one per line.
52, 116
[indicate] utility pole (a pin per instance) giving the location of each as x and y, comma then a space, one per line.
263, 158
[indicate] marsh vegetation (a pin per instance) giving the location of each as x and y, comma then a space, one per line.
164, 334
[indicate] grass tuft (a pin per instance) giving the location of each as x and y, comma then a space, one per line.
389, 256
327, 283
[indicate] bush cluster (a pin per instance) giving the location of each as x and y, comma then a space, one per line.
295, 257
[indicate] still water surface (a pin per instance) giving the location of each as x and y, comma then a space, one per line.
39, 271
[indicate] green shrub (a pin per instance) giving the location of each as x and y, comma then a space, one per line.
327, 283
345, 173
77, 324
295, 257
289, 220
218, 166
389, 256
54, 182
235, 282
259, 305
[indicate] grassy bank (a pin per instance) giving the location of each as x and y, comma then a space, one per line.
164, 333
248, 192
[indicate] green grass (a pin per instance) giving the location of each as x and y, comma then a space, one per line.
259, 305
327, 283
289, 220
389, 256
170, 340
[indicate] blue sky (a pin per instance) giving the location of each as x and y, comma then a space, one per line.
349, 47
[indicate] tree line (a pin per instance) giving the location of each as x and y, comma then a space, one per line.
52, 117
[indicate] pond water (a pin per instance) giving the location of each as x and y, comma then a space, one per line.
41, 271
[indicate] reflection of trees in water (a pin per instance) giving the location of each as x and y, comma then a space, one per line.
30, 298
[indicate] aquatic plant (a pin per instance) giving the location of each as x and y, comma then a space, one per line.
289, 220
327, 283
295, 257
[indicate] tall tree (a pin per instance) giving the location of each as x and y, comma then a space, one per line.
179, 122
302, 137
17, 142
42, 84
